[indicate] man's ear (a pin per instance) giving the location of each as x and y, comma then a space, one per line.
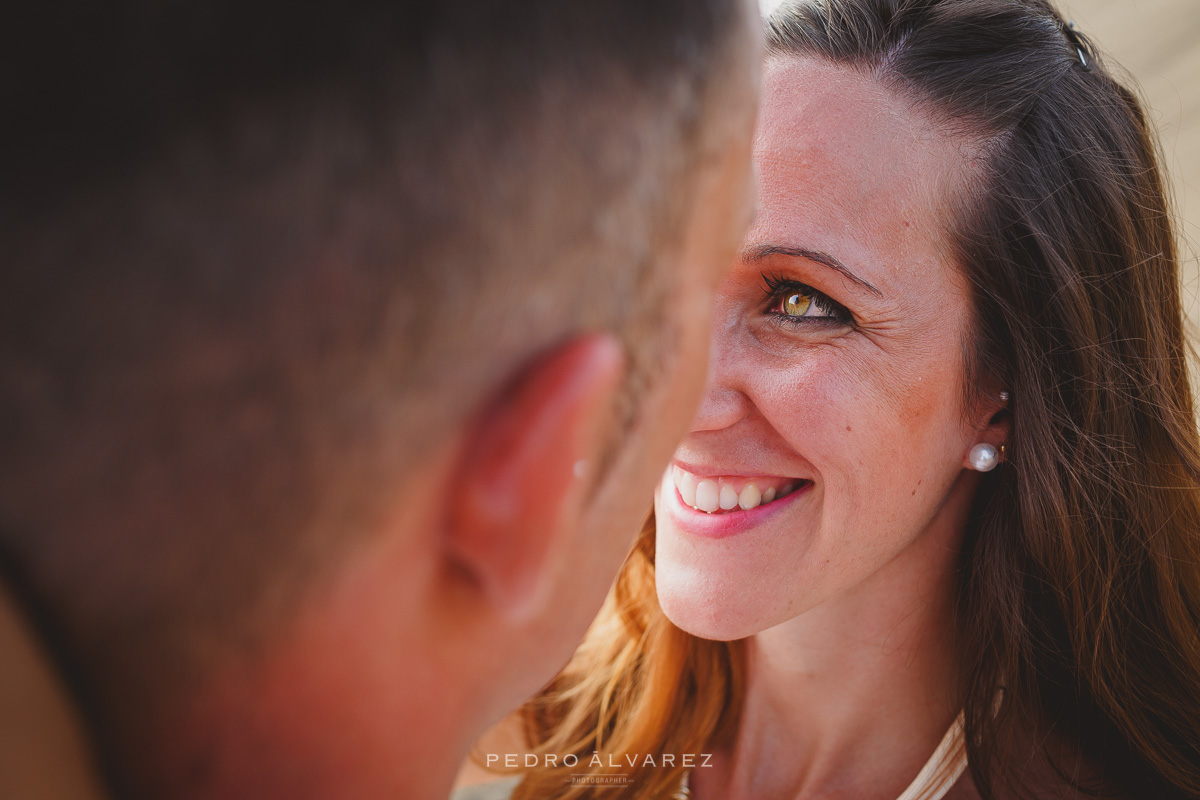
522, 480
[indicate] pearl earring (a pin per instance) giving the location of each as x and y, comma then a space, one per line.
983, 457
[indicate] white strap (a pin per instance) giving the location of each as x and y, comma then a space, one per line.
942, 769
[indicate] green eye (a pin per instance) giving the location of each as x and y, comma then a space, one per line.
796, 305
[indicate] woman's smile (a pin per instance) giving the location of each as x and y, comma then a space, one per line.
709, 504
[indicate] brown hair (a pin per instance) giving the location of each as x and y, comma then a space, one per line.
1079, 587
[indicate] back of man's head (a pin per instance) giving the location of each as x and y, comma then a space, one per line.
261, 258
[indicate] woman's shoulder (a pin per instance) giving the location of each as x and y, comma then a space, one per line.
493, 790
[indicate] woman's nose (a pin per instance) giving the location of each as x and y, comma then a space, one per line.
721, 407
725, 401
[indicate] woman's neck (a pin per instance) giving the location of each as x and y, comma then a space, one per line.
854, 695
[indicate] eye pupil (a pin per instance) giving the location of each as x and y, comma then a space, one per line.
796, 304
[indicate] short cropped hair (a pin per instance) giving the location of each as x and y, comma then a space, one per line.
260, 257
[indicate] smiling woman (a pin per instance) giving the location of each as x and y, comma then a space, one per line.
935, 530
838, 368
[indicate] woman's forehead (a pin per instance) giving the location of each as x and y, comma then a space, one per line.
848, 164
846, 129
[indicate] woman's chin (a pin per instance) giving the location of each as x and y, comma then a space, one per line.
706, 614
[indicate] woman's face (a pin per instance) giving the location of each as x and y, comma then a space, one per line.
833, 422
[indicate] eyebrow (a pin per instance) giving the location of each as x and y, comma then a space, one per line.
759, 252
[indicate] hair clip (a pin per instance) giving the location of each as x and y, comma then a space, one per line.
1073, 37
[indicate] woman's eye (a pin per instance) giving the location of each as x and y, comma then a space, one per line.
797, 303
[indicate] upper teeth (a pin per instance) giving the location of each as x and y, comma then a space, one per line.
725, 494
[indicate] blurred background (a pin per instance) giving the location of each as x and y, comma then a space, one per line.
1157, 42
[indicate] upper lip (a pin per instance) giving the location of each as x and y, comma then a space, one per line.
730, 471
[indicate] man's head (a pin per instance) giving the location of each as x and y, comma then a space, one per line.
387, 313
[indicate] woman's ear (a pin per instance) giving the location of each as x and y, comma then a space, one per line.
523, 479
993, 427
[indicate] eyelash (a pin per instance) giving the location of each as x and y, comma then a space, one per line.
777, 287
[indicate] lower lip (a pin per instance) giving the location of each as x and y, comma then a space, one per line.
727, 523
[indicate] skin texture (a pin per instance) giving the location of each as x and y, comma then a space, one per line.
845, 588
494, 558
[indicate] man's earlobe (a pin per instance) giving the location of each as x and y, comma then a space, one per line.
517, 488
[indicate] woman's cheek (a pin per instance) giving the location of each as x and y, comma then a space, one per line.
856, 430
827, 400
